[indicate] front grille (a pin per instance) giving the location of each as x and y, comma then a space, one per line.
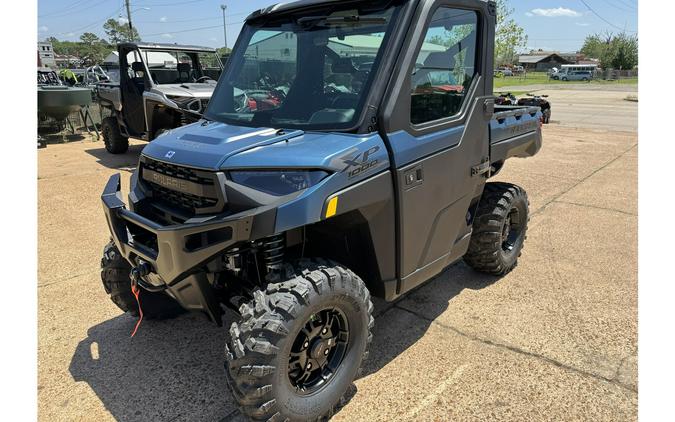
198, 196
179, 172
181, 199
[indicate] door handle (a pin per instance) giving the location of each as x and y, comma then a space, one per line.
413, 177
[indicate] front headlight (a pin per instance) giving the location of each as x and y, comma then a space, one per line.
278, 182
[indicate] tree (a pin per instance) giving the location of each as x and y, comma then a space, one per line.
509, 36
118, 33
614, 51
92, 49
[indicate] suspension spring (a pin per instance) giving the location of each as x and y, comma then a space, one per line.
273, 251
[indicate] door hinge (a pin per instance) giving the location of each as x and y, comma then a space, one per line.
482, 168
492, 8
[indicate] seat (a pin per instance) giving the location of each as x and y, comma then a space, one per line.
184, 72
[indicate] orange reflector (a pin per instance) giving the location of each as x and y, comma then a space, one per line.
332, 207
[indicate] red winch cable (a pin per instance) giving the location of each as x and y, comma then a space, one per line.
136, 291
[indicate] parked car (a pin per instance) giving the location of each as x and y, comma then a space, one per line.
578, 75
518, 70
505, 71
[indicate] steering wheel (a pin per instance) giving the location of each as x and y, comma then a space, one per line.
204, 79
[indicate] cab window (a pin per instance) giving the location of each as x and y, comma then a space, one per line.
445, 65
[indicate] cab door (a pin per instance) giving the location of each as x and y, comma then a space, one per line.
134, 80
436, 118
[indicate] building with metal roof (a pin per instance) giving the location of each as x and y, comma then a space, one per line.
542, 62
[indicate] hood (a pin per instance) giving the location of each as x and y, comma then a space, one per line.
187, 90
208, 144
216, 146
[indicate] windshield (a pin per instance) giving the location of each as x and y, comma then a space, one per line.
308, 72
179, 67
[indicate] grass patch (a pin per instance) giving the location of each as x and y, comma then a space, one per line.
537, 78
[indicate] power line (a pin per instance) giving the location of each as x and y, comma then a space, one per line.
69, 7
632, 6
172, 4
603, 19
93, 23
619, 8
77, 10
197, 19
190, 30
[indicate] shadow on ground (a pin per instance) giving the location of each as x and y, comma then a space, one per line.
127, 161
173, 370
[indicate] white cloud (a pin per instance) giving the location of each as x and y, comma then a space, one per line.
162, 19
122, 21
43, 29
529, 14
557, 12
167, 36
582, 24
70, 34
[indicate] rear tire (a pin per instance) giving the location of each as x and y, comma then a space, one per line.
285, 328
115, 143
116, 282
499, 229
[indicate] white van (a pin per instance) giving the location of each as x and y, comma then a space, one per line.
567, 69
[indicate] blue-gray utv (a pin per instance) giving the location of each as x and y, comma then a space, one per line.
344, 153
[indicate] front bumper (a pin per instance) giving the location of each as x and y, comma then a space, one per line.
175, 251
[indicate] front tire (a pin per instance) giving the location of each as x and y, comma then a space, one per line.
115, 143
300, 343
499, 229
116, 282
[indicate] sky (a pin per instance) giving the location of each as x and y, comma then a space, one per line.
550, 25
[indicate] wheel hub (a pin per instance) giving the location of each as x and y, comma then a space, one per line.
511, 231
321, 348
318, 350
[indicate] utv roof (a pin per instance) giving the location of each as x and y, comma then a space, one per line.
294, 5
166, 46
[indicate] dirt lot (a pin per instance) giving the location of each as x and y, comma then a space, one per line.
554, 340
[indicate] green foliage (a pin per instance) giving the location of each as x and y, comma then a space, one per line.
614, 51
453, 36
509, 36
118, 33
90, 49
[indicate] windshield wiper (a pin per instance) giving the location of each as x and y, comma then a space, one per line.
339, 20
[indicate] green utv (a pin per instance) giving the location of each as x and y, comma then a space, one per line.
345, 152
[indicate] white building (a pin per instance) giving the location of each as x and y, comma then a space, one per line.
283, 47
46, 54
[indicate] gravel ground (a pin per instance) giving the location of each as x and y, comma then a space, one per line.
556, 339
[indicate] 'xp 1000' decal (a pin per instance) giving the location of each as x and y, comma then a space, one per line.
359, 164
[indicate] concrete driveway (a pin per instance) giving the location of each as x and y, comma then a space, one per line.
556, 339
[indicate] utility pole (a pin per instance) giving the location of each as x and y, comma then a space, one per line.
131, 28
222, 6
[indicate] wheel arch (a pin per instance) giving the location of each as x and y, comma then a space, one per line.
361, 235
